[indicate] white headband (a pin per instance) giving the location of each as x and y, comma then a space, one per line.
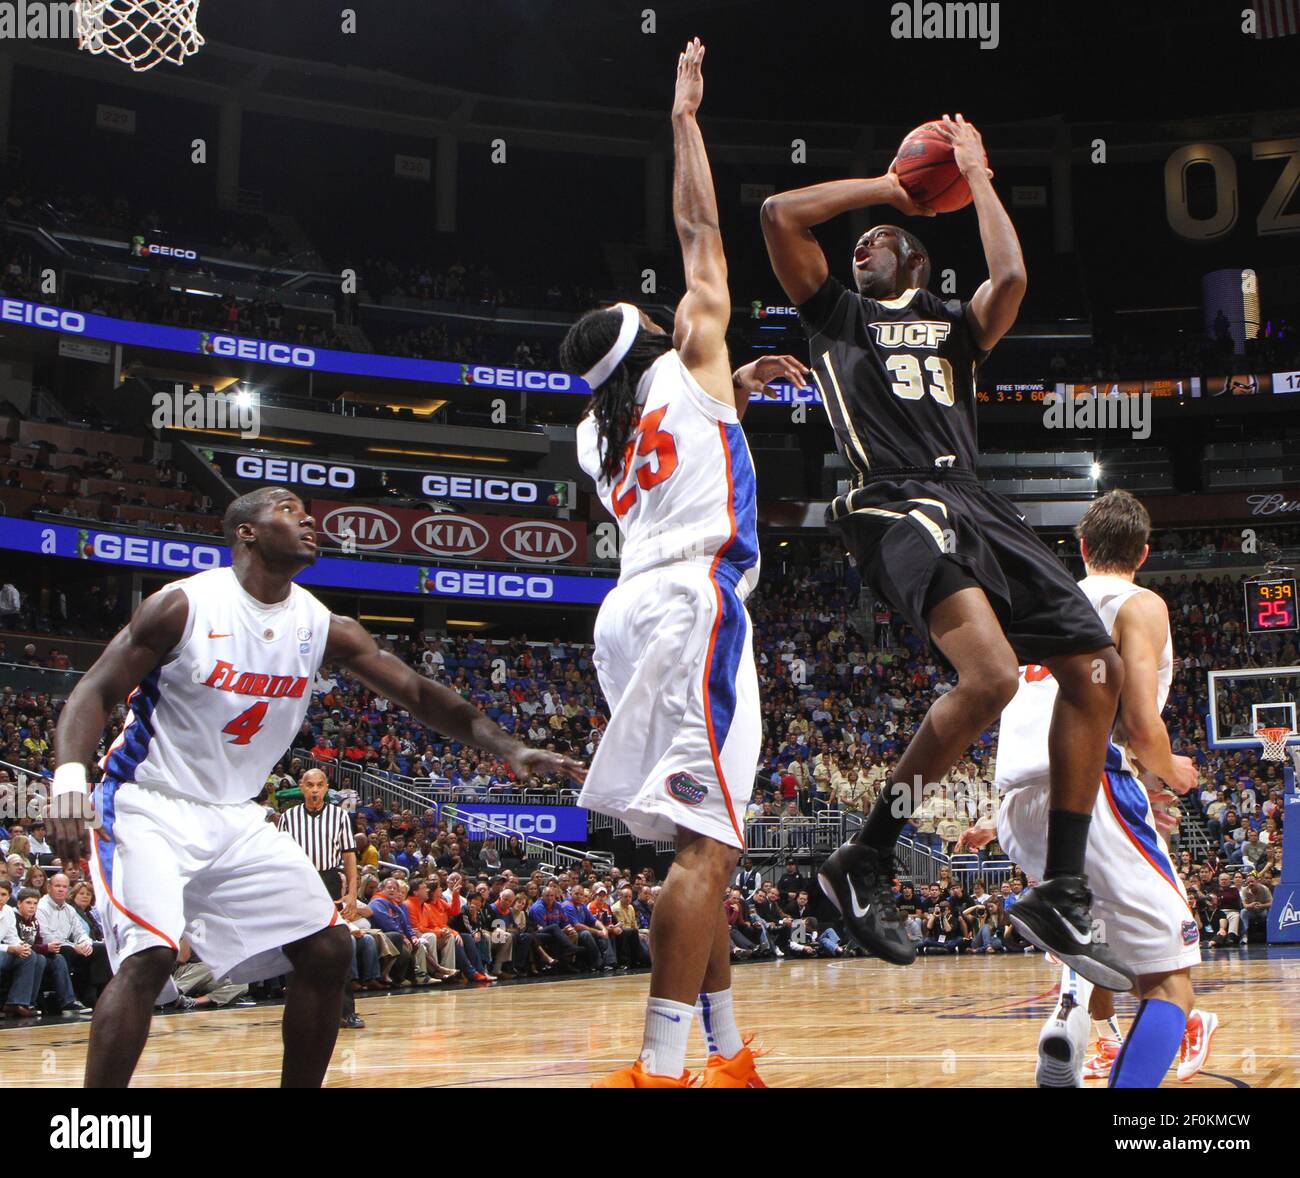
599, 373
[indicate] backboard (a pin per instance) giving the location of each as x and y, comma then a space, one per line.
1247, 699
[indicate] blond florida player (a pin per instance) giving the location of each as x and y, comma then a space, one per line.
661, 439
219, 667
1138, 893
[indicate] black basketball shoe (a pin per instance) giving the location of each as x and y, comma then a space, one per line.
859, 881
1056, 915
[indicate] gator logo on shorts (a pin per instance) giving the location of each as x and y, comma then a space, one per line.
1191, 934
685, 789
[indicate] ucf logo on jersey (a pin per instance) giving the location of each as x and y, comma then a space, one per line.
918, 334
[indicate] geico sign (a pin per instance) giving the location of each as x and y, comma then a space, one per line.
366, 527
290, 470
450, 535
460, 584
16, 311
539, 541
260, 349
167, 251
523, 823
513, 378
455, 486
169, 554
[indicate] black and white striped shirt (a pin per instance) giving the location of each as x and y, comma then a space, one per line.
325, 835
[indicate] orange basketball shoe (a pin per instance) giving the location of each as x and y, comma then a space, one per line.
1201, 1025
737, 1072
636, 1076
1098, 1067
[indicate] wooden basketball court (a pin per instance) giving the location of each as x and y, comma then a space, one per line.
945, 1022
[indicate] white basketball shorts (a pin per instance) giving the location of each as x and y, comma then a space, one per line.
1136, 891
675, 656
221, 876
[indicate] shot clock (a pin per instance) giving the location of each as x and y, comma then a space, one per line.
1271, 605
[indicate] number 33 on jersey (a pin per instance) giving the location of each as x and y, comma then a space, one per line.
685, 489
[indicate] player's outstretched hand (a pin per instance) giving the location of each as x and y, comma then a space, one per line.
542, 763
1164, 811
901, 199
758, 374
1184, 777
690, 79
967, 146
977, 836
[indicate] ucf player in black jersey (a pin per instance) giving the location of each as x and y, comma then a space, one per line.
895, 366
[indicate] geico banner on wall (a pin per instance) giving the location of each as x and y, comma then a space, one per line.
285, 355
312, 475
563, 824
451, 536
190, 556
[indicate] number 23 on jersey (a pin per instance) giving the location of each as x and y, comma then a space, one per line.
651, 456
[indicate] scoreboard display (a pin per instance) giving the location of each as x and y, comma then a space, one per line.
1271, 605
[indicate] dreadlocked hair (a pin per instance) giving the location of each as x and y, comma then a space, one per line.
613, 405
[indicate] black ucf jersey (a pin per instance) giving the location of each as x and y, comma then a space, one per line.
897, 377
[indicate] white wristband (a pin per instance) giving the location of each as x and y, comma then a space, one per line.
70, 779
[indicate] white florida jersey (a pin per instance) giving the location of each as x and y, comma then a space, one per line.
212, 720
685, 490
1022, 737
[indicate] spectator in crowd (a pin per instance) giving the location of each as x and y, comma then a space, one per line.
1256, 900
388, 913
66, 933
21, 967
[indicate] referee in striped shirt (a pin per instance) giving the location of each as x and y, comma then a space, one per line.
325, 834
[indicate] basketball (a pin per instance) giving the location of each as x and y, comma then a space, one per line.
926, 168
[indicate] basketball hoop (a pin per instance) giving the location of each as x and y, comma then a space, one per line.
140, 33
1274, 742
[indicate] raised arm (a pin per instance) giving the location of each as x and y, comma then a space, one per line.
997, 302
700, 327
788, 217
439, 707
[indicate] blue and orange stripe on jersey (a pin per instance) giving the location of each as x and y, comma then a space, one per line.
1128, 802
727, 637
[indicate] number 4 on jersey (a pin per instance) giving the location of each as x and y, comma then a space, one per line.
247, 724
648, 440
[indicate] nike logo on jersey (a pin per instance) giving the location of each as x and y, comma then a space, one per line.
922, 334
212, 635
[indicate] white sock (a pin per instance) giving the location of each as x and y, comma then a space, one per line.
1108, 1029
667, 1032
718, 1021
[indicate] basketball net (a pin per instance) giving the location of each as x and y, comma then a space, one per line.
1274, 742
140, 33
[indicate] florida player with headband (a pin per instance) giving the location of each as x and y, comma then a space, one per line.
662, 440
895, 366
219, 667
1139, 895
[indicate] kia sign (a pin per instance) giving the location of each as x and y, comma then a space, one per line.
372, 481
449, 535
182, 557
558, 824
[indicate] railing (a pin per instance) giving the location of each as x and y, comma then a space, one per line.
798, 835
42, 680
